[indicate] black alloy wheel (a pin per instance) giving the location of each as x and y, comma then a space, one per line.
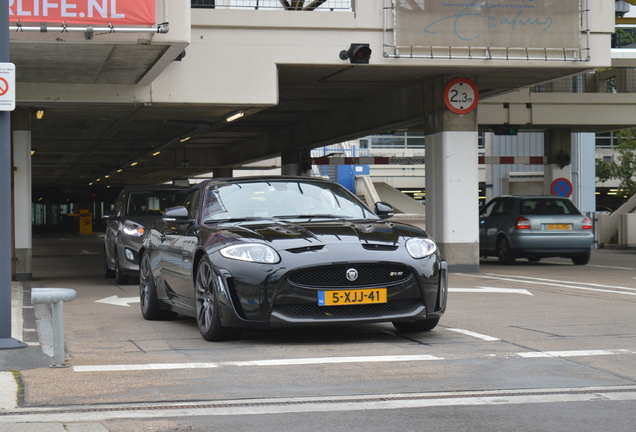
207, 306
148, 294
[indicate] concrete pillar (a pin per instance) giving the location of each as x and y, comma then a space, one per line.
296, 162
558, 151
452, 182
584, 171
21, 137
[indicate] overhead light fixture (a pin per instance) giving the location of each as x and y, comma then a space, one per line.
156, 153
120, 170
32, 152
237, 115
39, 114
184, 139
134, 163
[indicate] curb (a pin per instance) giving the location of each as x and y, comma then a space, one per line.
8, 391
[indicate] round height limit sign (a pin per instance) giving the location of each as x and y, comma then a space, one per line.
461, 95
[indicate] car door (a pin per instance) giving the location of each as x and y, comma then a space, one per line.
491, 218
113, 224
183, 245
484, 213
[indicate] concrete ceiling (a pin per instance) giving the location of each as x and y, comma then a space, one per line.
76, 144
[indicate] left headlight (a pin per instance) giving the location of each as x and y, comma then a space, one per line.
252, 252
133, 229
420, 247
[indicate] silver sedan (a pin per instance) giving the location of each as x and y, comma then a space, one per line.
534, 227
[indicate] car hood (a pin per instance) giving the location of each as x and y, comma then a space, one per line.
144, 221
284, 234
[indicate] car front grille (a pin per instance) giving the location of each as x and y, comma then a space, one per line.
336, 275
315, 311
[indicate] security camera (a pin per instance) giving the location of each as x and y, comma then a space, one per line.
184, 163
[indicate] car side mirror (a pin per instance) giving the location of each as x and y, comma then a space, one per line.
384, 210
111, 215
177, 214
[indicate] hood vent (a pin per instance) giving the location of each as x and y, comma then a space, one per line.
379, 247
305, 249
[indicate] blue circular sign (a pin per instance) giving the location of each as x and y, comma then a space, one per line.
561, 187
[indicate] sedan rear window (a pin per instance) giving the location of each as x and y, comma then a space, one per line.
545, 206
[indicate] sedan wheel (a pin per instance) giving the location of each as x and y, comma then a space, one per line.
148, 295
581, 259
503, 251
207, 306
108, 273
416, 326
120, 277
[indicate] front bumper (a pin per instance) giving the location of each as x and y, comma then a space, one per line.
269, 300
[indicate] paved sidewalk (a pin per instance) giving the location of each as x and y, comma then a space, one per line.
25, 358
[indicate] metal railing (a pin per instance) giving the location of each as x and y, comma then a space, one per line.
292, 5
609, 80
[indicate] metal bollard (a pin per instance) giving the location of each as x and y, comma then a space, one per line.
56, 298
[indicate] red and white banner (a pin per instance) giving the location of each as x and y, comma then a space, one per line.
115, 12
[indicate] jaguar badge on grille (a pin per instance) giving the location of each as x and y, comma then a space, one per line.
352, 274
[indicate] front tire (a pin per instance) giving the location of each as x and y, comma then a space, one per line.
148, 295
504, 253
207, 306
108, 273
120, 277
416, 326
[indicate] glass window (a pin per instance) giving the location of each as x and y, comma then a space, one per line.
152, 202
280, 199
191, 203
542, 206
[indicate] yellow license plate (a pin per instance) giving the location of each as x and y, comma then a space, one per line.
562, 227
352, 297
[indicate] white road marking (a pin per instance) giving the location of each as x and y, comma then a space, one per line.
579, 353
342, 360
569, 264
570, 282
550, 282
490, 290
114, 300
100, 413
274, 362
473, 334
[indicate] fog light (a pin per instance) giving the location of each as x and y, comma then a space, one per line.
129, 255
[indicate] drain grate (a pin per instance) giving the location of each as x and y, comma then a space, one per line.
362, 399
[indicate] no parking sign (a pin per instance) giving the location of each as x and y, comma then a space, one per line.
561, 187
7, 86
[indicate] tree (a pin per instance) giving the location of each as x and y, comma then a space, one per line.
625, 167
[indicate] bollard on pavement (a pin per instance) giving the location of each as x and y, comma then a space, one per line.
56, 298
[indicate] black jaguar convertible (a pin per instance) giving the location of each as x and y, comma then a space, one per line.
288, 251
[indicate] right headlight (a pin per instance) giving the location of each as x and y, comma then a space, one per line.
251, 252
420, 247
133, 229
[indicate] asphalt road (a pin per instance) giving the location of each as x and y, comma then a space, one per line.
545, 346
